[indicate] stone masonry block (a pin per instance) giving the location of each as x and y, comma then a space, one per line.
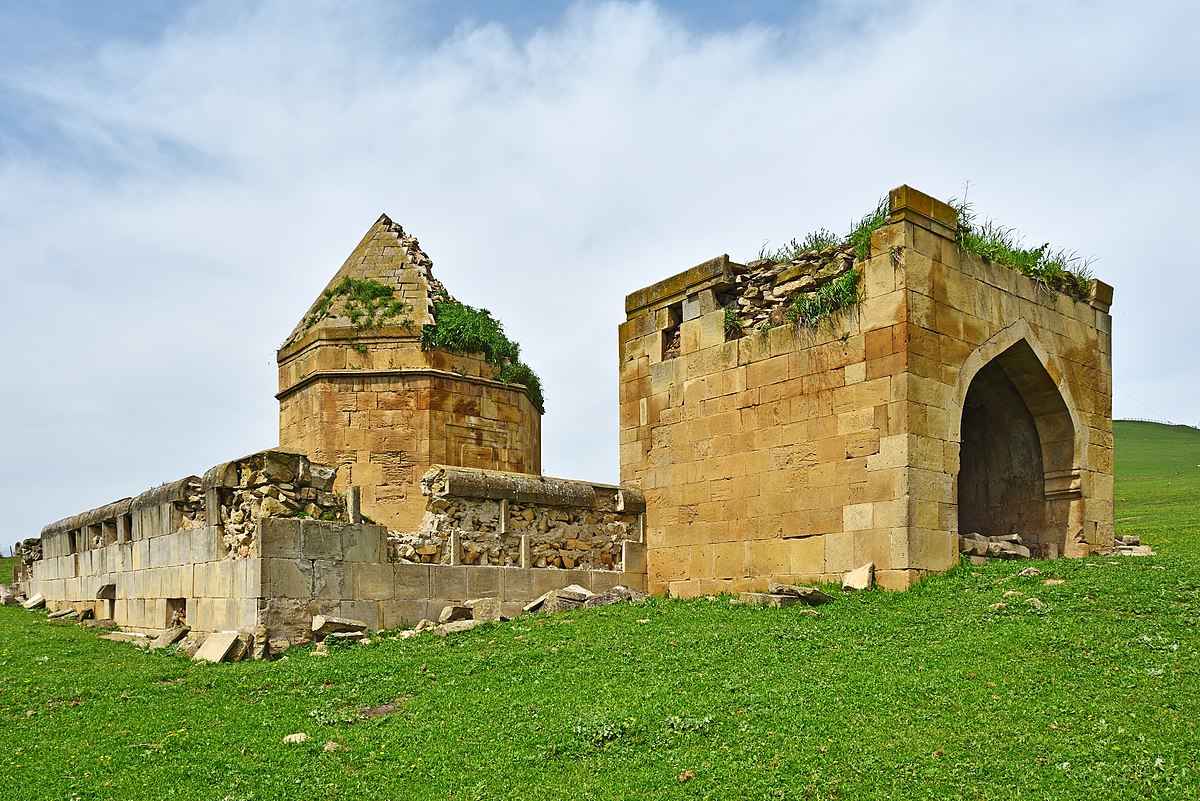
330, 579
448, 582
280, 538
320, 540
411, 581
372, 581
287, 578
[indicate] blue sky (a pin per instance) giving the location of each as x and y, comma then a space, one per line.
178, 181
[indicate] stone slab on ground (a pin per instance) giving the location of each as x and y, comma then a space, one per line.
124, 636
767, 599
810, 595
484, 609
216, 646
860, 578
169, 637
454, 612
455, 626
324, 625
614, 595
35, 602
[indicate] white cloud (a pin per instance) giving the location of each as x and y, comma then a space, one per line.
200, 190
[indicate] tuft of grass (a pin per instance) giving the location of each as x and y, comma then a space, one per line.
460, 328
812, 308
732, 322
813, 242
1055, 270
860, 232
367, 303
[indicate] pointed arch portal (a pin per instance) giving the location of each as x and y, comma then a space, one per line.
1017, 459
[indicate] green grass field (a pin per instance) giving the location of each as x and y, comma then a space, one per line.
924, 694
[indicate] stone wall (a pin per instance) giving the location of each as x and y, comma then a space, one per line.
187, 550
484, 517
789, 453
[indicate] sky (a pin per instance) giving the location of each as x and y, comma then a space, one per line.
178, 181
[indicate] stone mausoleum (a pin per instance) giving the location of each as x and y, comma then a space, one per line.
760, 442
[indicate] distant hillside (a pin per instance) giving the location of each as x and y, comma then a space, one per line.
1158, 484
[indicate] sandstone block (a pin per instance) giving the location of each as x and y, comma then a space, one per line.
861, 578
217, 646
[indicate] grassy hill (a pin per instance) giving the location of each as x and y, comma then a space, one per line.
931, 693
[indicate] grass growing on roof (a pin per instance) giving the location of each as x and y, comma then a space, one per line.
928, 694
812, 308
464, 329
1056, 270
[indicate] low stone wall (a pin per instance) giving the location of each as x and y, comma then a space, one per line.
487, 517
314, 568
188, 550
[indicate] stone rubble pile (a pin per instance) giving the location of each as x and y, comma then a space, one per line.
274, 484
1003, 546
766, 289
1128, 545
781, 595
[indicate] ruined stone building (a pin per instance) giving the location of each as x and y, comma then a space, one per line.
759, 442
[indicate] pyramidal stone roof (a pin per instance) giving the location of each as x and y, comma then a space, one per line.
386, 281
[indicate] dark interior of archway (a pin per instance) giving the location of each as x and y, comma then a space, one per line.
1000, 481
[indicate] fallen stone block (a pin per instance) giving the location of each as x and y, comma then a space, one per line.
767, 599
324, 625
455, 626
860, 578
536, 604
169, 637
617, 594
35, 602
62, 613
1030, 571
573, 592
124, 636
241, 647
296, 739
347, 636
424, 624
810, 595
216, 646
484, 609
454, 612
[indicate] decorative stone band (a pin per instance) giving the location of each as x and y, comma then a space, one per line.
360, 374
489, 517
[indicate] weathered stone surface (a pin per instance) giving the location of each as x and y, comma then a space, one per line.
296, 739
35, 602
455, 626
454, 612
169, 637
484, 609
767, 599
324, 625
810, 595
261, 648
860, 578
217, 646
1030, 571
617, 594
62, 613
241, 647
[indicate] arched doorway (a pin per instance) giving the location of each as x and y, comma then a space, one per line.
1017, 455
